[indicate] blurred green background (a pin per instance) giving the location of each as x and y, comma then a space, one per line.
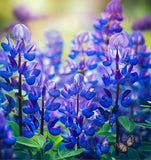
70, 16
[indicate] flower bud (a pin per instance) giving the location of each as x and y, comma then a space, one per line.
20, 31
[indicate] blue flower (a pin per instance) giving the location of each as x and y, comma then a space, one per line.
137, 38
6, 138
51, 127
29, 129
48, 146
106, 100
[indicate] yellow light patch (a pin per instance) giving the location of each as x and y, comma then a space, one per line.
1, 65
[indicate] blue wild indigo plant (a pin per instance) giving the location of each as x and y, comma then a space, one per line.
17, 54
95, 107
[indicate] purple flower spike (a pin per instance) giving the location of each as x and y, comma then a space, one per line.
20, 31
119, 40
114, 6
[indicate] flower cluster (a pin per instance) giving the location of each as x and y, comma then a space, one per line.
106, 25
81, 115
6, 139
83, 107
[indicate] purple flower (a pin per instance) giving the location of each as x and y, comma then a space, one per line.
119, 40
20, 31
106, 100
6, 138
82, 38
29, 129
137, 38
142, 24
53, 129
125, 100
99, 143
48, 146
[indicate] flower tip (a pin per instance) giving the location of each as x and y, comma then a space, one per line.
20, 31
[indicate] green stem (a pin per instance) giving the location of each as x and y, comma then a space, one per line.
30, 153
42, 154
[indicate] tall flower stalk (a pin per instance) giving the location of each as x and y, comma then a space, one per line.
16, 52
116, 73
79, 113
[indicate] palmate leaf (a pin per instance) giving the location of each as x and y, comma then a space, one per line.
21, 150
27, 142
15, 127
41, 140
146, 147
148, 158
127, 123
66, 153
104, 130
146, 125
55, 139
133, 154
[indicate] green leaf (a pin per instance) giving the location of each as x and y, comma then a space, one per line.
144, 125
133, 154
55, 139
41, 140
21, 148
66, 153
106, 156
15, 127
106, 127
27, 142
148, 122
145, 142
145, 106
148, 158
20, 154
112, 138
127, 123
47, 156
145, 148
52, 155
35, 137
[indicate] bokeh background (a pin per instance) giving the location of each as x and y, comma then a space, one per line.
66, 16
